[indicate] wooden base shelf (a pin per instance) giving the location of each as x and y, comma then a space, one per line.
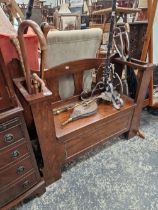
99, 127
105, 113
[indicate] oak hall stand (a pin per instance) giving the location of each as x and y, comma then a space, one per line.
61, 144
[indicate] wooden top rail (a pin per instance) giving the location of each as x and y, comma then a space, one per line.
134, 63
69, 14
118, 10
73, 67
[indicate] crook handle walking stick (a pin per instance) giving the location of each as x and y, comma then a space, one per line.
22, 27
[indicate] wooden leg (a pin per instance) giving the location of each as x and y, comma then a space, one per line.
144, 78
141, 134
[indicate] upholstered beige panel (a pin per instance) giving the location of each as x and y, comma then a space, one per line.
64, 46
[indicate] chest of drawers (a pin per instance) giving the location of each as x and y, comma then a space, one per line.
19, 175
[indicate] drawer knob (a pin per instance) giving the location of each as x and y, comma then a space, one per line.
20, 169
15, 154
26, 184
9, 138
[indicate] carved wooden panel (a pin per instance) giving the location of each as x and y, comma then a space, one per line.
137, 36
5, 101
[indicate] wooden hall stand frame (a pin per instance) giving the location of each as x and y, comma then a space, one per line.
60, 145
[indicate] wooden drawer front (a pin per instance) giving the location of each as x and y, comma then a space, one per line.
12, 173
13, 155
17, 188
11, 135
9, 123
104, 130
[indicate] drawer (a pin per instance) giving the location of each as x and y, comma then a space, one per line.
15, 172
9, 123
18, 188
13, 154
11, 135
98, 133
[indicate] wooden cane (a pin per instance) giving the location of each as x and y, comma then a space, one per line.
22, 27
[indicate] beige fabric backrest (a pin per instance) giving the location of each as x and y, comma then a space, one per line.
64, 46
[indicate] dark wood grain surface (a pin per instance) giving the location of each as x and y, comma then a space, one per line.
19, 174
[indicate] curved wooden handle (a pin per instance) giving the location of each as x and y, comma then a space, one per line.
45, 27
22, 27
29, 23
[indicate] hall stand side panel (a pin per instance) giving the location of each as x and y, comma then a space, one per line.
53, 152
144, 80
